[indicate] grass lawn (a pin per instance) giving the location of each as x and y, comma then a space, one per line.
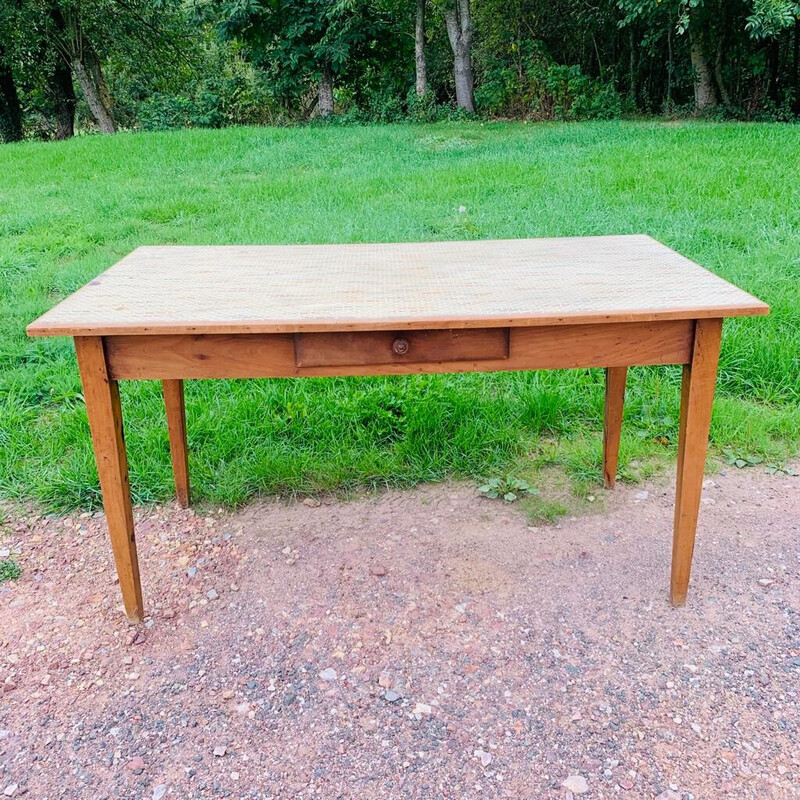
726, 195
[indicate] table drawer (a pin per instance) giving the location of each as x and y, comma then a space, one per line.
397, 347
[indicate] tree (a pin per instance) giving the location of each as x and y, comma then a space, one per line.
420, 65
70, 38
458, 20
62, 93
302, 41
692, 19
10, 109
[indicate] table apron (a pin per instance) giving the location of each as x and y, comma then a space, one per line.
613, 344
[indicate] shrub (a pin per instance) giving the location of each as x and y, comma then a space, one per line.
532, 85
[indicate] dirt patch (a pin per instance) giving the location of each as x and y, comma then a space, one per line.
427, 644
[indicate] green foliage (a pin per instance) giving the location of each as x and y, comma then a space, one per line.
9, 570
771, 17
741, 460
212, 63
509, 488
232, 94
294, 41
543, 89
781, 469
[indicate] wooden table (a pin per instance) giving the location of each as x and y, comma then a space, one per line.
171, 313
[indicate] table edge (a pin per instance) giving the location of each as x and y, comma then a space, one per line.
327, 326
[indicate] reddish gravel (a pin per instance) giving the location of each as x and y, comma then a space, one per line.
426, 644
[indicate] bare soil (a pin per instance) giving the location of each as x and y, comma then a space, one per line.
424, 644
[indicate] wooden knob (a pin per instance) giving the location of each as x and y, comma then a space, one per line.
401, 346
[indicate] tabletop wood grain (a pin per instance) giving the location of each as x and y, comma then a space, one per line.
307, 288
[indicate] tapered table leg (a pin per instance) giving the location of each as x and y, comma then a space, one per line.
697, 397
612, 427
176, 424
101, 395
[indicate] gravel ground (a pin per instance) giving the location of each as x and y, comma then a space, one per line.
426, 644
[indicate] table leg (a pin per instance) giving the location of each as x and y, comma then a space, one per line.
101, 395
612, 427
697, 397
176, 424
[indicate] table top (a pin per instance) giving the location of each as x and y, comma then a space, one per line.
293, 288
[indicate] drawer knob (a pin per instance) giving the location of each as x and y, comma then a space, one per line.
401, 346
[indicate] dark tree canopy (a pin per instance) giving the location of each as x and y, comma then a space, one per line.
111, 64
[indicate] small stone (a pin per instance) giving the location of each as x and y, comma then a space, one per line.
211, 594
234, 776
378, 570
643, 495
385, 680
136, 765
696, 728
765, 582
422, 708
626, 783
391, 696
311, 502
191, 572
486, 758
159, 792
11, 789
576, 784
228, 694
45, 681
668, 794
132, 676
220, 750
136, 637
328, 674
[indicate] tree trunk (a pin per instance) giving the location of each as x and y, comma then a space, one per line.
632, 66
670, 67
796, 68
85, 64
705, 98
459, 30
63, 94
773, 59
719, 76
325, 104
419, 50
10, 109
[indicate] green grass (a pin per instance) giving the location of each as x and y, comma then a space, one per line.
726, 195
9, 570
